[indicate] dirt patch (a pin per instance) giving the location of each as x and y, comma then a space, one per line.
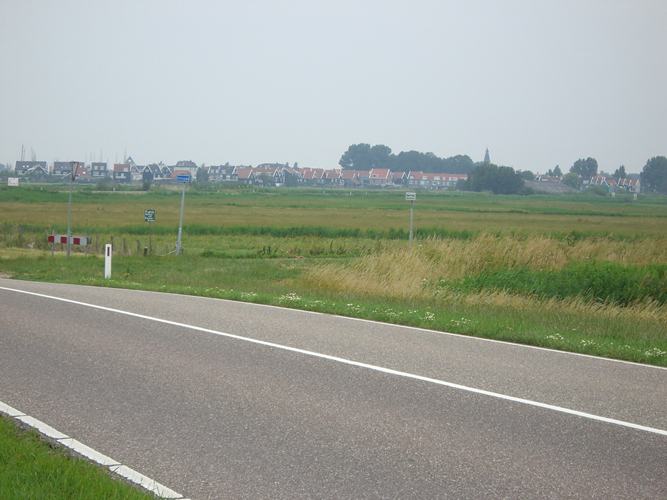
3, 275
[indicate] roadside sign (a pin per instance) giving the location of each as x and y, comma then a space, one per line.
12, 181
149, 215
183, 178
410, 196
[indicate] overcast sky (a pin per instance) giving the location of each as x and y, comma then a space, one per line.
539, 83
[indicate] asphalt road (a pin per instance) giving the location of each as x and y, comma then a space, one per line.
213, 416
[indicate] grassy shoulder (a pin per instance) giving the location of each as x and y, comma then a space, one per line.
34, 468
319, 284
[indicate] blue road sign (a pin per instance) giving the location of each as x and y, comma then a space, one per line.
183, 178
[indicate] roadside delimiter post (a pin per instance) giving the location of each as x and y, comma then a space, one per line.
107, 261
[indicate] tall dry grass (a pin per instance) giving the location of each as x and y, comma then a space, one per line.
398, 272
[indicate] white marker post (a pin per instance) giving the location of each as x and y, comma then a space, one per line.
411, 197
107, 261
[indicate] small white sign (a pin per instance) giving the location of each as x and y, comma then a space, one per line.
13, 181
410, 196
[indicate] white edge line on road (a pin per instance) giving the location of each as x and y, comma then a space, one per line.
426, 330
95, 456
364, 365
381, 323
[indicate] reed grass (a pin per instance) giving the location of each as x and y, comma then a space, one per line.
401, 272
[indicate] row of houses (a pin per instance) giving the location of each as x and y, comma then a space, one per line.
281, 174
612, 185
264, 174
608, 183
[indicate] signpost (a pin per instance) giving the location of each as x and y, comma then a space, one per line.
184, 179
12, 181
73, 172
411, 197
149, 216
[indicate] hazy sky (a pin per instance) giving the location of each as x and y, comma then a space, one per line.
539, 83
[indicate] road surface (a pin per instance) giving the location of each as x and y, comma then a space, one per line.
220, 399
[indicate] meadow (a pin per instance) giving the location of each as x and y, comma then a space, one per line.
579, 272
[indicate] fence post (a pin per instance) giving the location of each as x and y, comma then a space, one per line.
124, 251
53, 232
85, 239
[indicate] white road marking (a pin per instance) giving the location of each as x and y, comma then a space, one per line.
42, 427
145, 482
88, 452
380, 369
436, 332
97, 457
12, 412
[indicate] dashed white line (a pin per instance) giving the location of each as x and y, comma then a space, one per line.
381, 369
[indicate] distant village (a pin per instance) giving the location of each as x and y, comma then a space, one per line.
277, 174
268, 174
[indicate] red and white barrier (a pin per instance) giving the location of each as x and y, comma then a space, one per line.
74, 240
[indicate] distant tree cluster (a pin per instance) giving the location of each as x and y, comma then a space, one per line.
556, 172
586, 168
654, 175
571, 179
366, 157
498, 179
620, 173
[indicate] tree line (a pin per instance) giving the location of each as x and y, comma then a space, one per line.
366, 157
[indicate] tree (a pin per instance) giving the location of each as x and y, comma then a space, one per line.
571, 180
290, 180
202, 175
266, 179
499, 180
620, 173
526, 175
586, 168
364, 157
654, 175
380, 156
557, 171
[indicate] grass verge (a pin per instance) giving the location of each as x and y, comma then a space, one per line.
32, 467
636, 333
